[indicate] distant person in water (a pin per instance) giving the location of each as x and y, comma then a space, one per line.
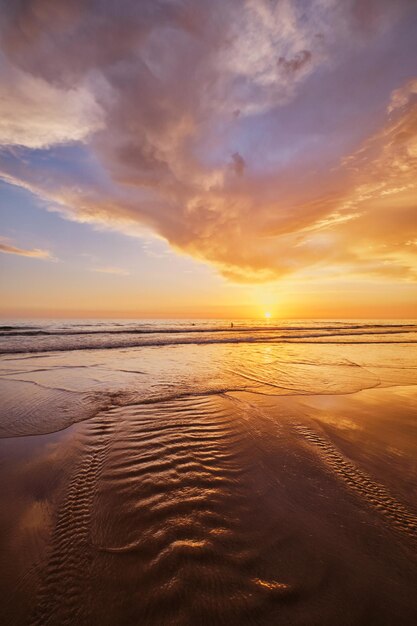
231, 324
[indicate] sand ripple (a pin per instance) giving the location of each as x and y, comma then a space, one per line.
199, 510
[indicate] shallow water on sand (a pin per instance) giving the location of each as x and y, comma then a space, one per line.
254, 483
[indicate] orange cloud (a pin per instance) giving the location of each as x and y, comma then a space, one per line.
35, 253
117, 271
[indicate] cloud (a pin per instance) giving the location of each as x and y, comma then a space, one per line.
252, 135
238, 163
295, 64
35, 253
37, 114
117, 271
401, 97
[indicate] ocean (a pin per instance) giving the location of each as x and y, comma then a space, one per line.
42, 336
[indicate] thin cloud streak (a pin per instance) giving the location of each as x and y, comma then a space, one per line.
34, 253
117, 271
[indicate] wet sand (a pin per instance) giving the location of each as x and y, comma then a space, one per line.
249, 486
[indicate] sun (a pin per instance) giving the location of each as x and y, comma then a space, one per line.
267, 315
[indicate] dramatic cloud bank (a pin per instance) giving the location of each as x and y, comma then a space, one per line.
267, 137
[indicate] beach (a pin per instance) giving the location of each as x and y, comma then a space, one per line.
192, 473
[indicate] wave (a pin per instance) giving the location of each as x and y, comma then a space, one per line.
54, 337
31, 331
5, 329
311, 339
107, 345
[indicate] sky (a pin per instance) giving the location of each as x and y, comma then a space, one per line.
208, 158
